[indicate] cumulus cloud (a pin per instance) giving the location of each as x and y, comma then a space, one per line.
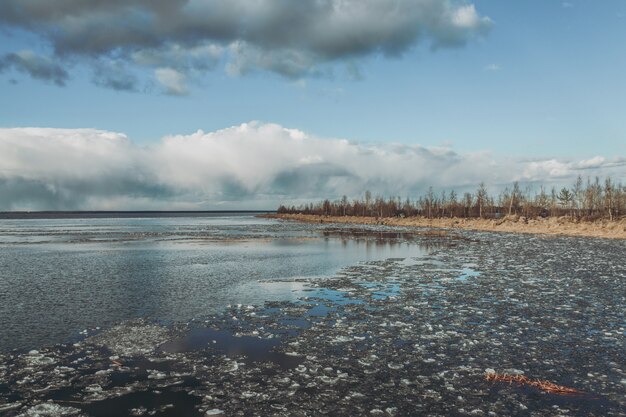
291, 38
254, 165
173, 82
37, 66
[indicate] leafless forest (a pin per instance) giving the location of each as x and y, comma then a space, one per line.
585, 200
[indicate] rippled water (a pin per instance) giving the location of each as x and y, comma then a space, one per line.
59, 276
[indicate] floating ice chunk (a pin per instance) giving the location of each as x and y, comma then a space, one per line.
132, 338
49, 410
342, 339
35, 358
328, 380
10, 406
234, 366
138, 411
513, 371
93, 388
152, 374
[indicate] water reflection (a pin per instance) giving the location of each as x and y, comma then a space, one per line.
378, 236
84, 273
248, 348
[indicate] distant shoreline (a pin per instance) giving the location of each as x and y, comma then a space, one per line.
561, 226
124, 214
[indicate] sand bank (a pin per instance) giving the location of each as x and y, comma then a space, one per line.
563, 226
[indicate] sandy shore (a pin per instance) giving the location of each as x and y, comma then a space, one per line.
563, 226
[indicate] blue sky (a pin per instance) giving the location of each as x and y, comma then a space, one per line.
532, 80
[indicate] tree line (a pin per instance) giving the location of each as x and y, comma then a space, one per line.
584, 200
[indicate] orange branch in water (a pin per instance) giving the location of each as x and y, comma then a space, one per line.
546, 386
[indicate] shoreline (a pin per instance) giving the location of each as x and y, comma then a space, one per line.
554, 226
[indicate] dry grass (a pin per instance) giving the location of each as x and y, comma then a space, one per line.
563, 226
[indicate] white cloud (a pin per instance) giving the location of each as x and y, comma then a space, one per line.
173, 81
549, 169
466, 17
254, 165
492, 67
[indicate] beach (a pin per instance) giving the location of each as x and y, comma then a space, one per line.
561, 226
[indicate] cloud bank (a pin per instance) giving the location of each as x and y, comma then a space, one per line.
287, 37
251, 166
38, 67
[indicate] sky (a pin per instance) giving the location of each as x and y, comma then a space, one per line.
245, 104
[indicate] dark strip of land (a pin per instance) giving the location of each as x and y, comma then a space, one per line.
123, 214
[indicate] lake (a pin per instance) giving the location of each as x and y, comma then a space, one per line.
224, 314
62, 275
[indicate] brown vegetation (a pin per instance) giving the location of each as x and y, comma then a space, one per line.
522, 380
567, 226
592, 208
584, 201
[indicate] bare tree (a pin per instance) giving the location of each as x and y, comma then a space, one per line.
430, 199
467, 200
578, 195
609, 195
514, 199
481, 198
344, 204
597, 199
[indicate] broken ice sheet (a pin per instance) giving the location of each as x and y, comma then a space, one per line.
421, 349
131, 338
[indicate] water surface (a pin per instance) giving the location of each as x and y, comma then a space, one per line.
63, 275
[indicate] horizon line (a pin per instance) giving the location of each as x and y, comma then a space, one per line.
43, 214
